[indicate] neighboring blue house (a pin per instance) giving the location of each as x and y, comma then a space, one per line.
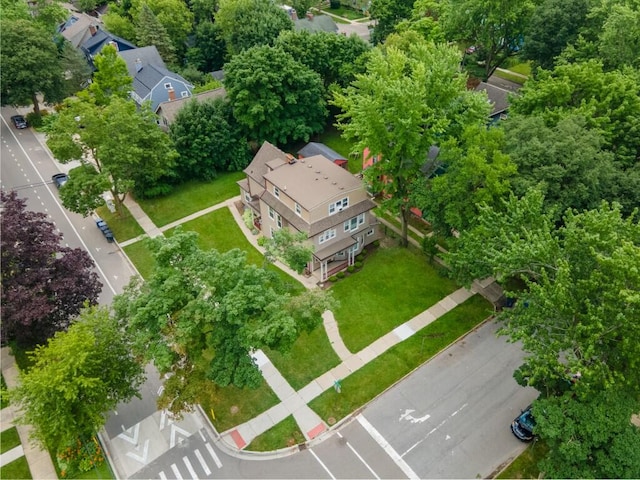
151, 80
97, 40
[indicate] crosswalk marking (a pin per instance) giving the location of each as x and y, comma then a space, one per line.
162, 476
192, 472
205, 467
213, 455
176, 472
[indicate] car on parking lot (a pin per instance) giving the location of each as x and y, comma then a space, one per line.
523, 425
19, 121
59, 179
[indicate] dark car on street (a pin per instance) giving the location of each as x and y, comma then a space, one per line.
19, 121
523, 425
59, 179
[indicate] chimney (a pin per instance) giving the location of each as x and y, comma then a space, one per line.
172, 94
290, 159
93, 29
138, 65
310, 16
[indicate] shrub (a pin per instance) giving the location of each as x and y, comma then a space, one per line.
360, 257
247, 217
333, 279
334, 4
341, 274
358, 265
34, 119
376, 243
262, 241
351, 269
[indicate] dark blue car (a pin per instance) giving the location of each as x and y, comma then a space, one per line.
523, 425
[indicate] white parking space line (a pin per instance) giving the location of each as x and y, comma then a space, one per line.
361, 459
162, 476
204, 465
322, 464
213, 455
192, 472
377, 436
176, 472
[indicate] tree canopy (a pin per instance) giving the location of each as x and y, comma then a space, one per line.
248, 23
75, 379
380, 114
208, 140
204, 312
273, 96
44, 284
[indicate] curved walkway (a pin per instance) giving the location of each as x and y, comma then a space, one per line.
296, 402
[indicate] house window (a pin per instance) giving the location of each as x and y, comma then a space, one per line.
184, 94
370, 232
338, 206
279, 220
298, 210
327, 235
247, 197
354, 223
167, 86
272, 213
276, 191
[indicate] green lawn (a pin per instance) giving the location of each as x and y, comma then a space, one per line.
345, 12
18, 469
284, 434
124, 227
191, 197
526, 465
311, 356
141, 257
394, 285
9, 439
232, 406
511, 77
371, 380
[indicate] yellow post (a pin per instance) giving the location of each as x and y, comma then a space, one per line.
213, 417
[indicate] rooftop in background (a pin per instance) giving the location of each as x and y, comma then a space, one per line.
316, 23
315, 148
169, 110
498, 97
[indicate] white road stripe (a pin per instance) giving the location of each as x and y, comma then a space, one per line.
205, 467
162, 476
387, 448
192, 472
176, 472
362, 460
213, 455
322, 464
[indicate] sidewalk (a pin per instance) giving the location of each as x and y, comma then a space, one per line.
296, 402
39, 460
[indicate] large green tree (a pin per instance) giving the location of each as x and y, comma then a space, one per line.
75, 379
174, 16
208, 140
477, 171
495, 27
409, 99
151, 32
30, 64
386, 15
553, 25
122, 142
566, 161
247, 23
336, 58
111, 78
580, 308
202, 313
609, 101
273, 96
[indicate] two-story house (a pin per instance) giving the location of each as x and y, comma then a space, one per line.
315, 196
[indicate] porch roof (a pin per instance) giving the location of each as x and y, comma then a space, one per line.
331, 250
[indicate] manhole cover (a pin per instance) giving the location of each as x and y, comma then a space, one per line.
331, 420
234, 409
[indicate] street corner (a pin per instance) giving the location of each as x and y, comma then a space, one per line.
137, 446
173, 430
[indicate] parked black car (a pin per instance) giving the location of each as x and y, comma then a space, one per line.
523, 425
59, 179
19, 121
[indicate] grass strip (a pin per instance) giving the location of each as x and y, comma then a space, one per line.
18, 469
284, 434
526, 464
9, 439
191, 197
124, 227
365, 384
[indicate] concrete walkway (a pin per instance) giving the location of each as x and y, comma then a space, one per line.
39, 460
292, 402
